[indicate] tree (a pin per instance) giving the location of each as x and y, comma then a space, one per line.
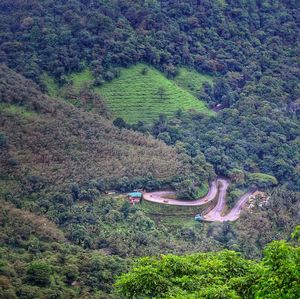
262, 180
38, 273
186, 189
161, 91
3, 140
220, 275
144, 71
280, 276
120, 123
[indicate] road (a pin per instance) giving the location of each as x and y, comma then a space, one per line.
218, 187
162, 196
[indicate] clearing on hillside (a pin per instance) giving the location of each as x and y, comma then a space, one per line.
143, 93
191, 80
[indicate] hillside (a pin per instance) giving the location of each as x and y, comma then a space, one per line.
60, 144
36, 261
102, 98
192, 81
140, 92
143, 93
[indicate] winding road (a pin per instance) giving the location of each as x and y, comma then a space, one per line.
217, 187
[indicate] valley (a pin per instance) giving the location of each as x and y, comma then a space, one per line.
196, 104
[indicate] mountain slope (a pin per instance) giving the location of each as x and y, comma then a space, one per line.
61, 144
143, 93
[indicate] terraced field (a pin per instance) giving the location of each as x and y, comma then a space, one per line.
192, 80
138, 95
79, 79
135, 96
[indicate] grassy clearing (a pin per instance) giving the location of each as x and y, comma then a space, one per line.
170, 210
135, 96
192, 80
178, 222
171, 216
17, 110
203, 190
81, 78
78, 80
52, 86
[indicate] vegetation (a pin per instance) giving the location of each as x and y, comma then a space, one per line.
79, 79
223, 274
139, 93
122, 77
14, 110
262, 180
36, 261
51, 85
192, 81
54, 156
134, 96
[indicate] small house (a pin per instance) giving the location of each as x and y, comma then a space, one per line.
198, 218
135, 197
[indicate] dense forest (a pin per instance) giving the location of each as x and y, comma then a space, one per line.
68, 155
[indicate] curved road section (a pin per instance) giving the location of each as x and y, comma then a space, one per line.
162, 197
217, 187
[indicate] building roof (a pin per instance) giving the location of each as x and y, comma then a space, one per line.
135, 194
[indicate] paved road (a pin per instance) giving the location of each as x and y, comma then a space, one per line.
234, 214
162, 196
219, 187
215, 213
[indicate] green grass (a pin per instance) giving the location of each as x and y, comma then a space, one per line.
178, 222
16, 110
81, 78
192, 80
171, 210
172, 216
52, 86
134, 96
203, 190
78, 80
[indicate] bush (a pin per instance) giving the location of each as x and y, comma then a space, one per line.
262, 180
144, 71
3, 140
38, 273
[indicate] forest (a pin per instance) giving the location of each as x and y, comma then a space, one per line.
99, 98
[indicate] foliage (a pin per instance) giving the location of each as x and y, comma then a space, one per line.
262, 180
222, 274
17, 110
3, 140
135, 97
280, 277
192, 81
37, 262
58, 155
80, 78
38, 274
66, 145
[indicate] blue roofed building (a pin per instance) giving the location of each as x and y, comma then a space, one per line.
135, 197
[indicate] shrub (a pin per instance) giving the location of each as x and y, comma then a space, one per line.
3, 140
38, 273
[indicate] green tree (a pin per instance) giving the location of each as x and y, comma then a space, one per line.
220, 275
38, 273
3, 140
161, 91
262, 180
280, 276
